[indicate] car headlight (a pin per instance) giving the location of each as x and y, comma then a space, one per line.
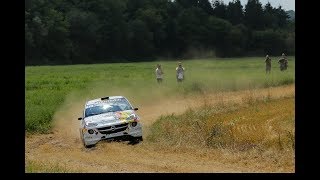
132, 117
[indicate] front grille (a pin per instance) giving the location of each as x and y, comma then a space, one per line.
114, 131
117, 128
104, 128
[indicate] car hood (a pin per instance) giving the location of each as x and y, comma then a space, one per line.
111, 118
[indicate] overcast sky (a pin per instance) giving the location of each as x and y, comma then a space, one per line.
285, 4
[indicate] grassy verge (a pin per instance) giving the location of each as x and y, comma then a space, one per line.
262, 125
42, 167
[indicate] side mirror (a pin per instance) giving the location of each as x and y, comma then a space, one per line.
80, 118
136, 109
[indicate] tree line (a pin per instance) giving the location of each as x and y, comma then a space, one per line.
98, 31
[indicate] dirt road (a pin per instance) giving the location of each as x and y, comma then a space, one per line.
63, 145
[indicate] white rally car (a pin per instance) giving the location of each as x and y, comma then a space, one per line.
107, 118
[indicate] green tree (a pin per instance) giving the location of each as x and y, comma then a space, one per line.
206, 6
282, 17
269, 41
219, 31
290, 44
57, 45
253, 15
84, 27
82, 31
237, 40
188, 3
140, 39
154, 21
219, 9
49, 31
235, 12
191, 24
270, 16
114, 28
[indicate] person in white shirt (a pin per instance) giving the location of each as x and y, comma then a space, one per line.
180, 72
159, 73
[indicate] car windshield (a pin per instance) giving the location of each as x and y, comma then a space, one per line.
110, 105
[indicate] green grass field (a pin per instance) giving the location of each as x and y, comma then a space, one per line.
47, 87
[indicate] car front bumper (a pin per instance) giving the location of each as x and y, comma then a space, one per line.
98, 135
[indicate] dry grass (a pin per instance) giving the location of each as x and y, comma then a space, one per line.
247, 133
46, 167
268, 124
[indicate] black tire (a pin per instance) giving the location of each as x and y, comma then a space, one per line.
82, 139
88, 146
135, 140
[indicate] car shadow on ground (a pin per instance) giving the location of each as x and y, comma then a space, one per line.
130, 141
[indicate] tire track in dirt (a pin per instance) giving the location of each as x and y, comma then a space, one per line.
63, 144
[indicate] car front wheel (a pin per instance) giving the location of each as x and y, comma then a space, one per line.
140, 138
82, 140
137, 139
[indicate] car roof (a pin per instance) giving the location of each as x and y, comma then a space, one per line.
94, 101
